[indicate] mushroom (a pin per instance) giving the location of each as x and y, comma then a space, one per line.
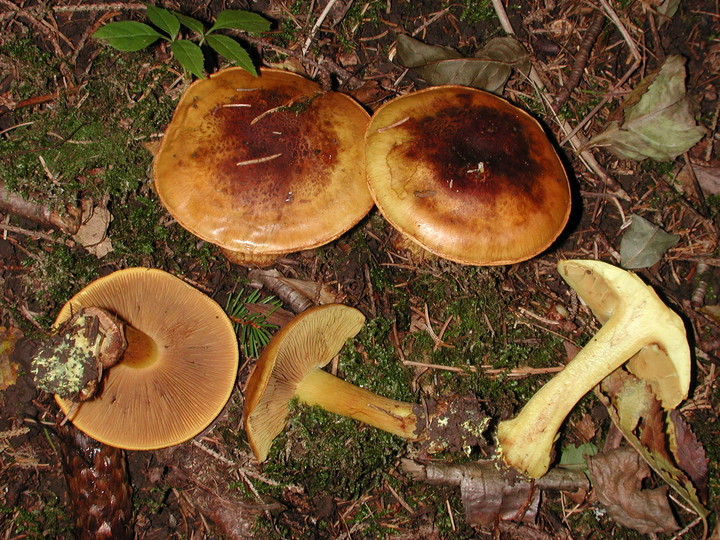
177, 371
638, 328
264, 166
291, 366
466, 175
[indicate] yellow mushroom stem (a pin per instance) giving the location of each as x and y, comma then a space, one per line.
335, 395
638, 328
526, 441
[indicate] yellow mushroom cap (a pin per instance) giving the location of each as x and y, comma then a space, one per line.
177, 372
264, 165
466, 175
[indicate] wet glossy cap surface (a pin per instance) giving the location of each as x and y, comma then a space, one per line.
466, 175
264, 165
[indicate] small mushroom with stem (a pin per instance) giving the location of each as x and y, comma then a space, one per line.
638, 328
174, 376
291, 367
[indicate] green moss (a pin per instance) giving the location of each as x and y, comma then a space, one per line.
373, 362
288, 30
662, 168
37, 68
477, 11
329, 455
55, 275
48, 519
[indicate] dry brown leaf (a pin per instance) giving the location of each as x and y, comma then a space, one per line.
707, 177
634, 409
689, 453
617, 477
8, 369
92, 234
490, 497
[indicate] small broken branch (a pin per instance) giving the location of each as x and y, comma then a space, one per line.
12, 203
487, 471
276, 283
581, 59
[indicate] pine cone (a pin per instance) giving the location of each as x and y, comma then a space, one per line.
99, 486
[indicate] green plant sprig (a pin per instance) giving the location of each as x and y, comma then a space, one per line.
252, 329
134, 35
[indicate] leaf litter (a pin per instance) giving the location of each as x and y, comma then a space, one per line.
679, 445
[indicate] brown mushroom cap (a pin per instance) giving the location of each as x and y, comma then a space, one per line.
178, 370
466, 175
264, 165
290, 366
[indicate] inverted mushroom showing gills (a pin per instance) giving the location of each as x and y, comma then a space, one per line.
177, 371
291, 366
466, 175
264, 166
638, 328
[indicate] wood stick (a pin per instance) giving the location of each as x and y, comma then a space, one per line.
12, 203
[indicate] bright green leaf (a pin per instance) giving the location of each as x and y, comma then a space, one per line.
127, 35
241, 20
190, 56
164, 20
644, 244
232, 50
189, 22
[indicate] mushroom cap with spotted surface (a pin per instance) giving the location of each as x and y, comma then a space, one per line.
467, 175
264, 165
178, 369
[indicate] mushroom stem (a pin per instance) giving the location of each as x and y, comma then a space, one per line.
526, 441
638, 327
141, 351
340, 397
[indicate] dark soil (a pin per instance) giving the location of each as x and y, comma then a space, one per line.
211, 487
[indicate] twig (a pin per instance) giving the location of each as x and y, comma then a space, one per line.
577, 141
273, 280
488, 370
446, 474
12, 203
581, 59
115, 6
318, 23
35, 234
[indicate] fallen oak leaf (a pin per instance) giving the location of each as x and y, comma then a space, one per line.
617, 477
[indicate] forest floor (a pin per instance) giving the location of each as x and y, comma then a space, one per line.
79, 122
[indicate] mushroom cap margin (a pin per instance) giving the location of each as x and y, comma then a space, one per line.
467, 175
188, 385
307, 342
